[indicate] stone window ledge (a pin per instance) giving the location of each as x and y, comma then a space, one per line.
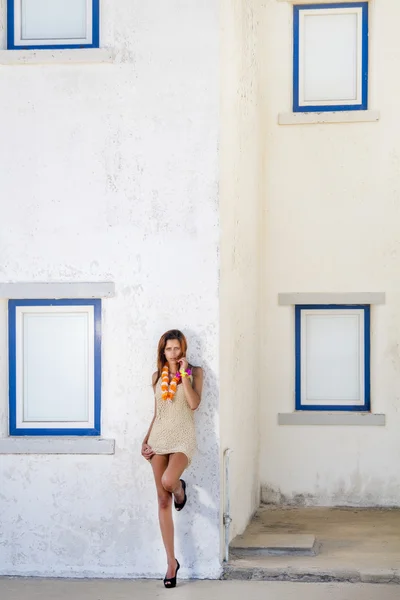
64, 289
308, 1
293, 298
56, 445
62, 56
332, 418
340, 116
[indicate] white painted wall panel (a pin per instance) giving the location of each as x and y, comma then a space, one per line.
331, 224
111, 174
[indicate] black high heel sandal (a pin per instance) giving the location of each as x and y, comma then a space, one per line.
182, 504
171, 583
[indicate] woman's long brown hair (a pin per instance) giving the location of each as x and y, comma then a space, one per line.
172, 334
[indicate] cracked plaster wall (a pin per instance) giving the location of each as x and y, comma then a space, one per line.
332, 194
110, 172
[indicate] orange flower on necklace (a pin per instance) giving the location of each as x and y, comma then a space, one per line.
168, 389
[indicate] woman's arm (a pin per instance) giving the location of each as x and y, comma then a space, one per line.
193, 392
151, 424
146, 450
153, 383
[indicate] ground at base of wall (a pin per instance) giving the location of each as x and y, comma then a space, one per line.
351, 544
45, 589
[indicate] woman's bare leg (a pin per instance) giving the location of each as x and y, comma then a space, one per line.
171, 477
160, 463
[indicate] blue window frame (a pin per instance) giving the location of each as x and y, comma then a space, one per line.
325, 78
55, 367
30, 25
332, 357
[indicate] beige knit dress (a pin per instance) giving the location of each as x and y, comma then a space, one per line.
173, 428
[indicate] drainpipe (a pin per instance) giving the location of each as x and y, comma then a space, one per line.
227, 518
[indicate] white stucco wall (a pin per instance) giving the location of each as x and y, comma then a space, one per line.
332, 196
241, 219
109, 173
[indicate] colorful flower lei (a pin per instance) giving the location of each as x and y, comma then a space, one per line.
168, 390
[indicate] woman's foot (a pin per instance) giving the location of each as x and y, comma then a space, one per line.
180, 499
170, 577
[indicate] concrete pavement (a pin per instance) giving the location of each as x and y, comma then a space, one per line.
61, 589
352, 545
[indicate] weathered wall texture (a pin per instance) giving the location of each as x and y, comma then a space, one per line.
109, 172
241, 219
333, 199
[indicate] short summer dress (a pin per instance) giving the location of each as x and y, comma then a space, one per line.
173, 428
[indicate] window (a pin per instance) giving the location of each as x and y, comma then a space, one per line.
332, 357
330, 57
52, 24
54, 367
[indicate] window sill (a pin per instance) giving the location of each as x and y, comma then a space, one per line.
43, 57
306, 1
314, 118
35, 290
331, 418
287, 299
58, 445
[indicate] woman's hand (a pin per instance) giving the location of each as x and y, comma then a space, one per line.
183, 363
147, 451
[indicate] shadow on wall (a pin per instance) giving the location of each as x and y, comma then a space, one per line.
197, 527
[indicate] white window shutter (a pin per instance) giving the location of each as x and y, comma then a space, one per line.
55, 367
56, 357
331, 57
332, 356
53, 19
53, 24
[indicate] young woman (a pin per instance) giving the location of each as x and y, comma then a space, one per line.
171, 439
